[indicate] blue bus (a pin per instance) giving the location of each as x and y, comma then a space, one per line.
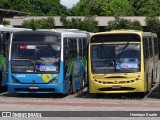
47, 61
5, 32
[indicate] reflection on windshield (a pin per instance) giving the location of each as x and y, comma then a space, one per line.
106, 58
35, 58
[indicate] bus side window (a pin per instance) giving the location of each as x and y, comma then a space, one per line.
72, 47
1, 43
4, 37
155, 46
146, 48
150, 47
66, 54
68, 47
65, 44
84, 47
6, 43
80, 47
144, 53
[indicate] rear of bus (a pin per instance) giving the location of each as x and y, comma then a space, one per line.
115, 63
35, 63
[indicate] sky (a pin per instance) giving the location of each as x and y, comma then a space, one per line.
69, 3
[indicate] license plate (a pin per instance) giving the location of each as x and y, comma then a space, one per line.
116, 87
33, 88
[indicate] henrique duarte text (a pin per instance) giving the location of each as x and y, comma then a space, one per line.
143, 114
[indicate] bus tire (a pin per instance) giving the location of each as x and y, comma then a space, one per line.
70, 87
82, 82
147, 90
152, 79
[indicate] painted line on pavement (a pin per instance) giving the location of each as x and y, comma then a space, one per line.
78, 104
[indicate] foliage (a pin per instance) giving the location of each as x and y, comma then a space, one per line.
121, 23
137, 4
153, 24
48, 23
36, 7
97, 7
89, 7
80, 9
6, 22
102, 7
85, 7
88, 23
149, 8
118, 8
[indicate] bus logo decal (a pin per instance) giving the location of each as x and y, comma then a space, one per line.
46, 77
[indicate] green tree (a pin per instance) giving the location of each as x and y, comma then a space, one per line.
137, 4
81, 8
89, 7
103, 7
153, 24
88, 23
118, 8
97, 7
150, 8
36, 7
4, 4
121, 23
6, 22
48, 23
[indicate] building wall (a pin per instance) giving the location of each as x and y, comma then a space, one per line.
102, 20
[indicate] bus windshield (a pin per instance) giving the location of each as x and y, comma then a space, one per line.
32, 57
111, 58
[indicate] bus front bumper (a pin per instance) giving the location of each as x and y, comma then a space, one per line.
15, 88
137, 86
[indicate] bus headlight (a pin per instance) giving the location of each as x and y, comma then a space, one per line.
54, 80
14, 80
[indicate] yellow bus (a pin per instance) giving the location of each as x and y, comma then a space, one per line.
122, 61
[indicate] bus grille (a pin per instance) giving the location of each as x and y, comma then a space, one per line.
117, 89
34, 90
118, 82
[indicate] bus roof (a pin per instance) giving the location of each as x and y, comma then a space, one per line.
36, 33
64, 34
125, 31
62, 30
68, 32
12, 29
120, 36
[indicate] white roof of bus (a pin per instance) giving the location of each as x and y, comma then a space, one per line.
62, 30
12, 29
68, 32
